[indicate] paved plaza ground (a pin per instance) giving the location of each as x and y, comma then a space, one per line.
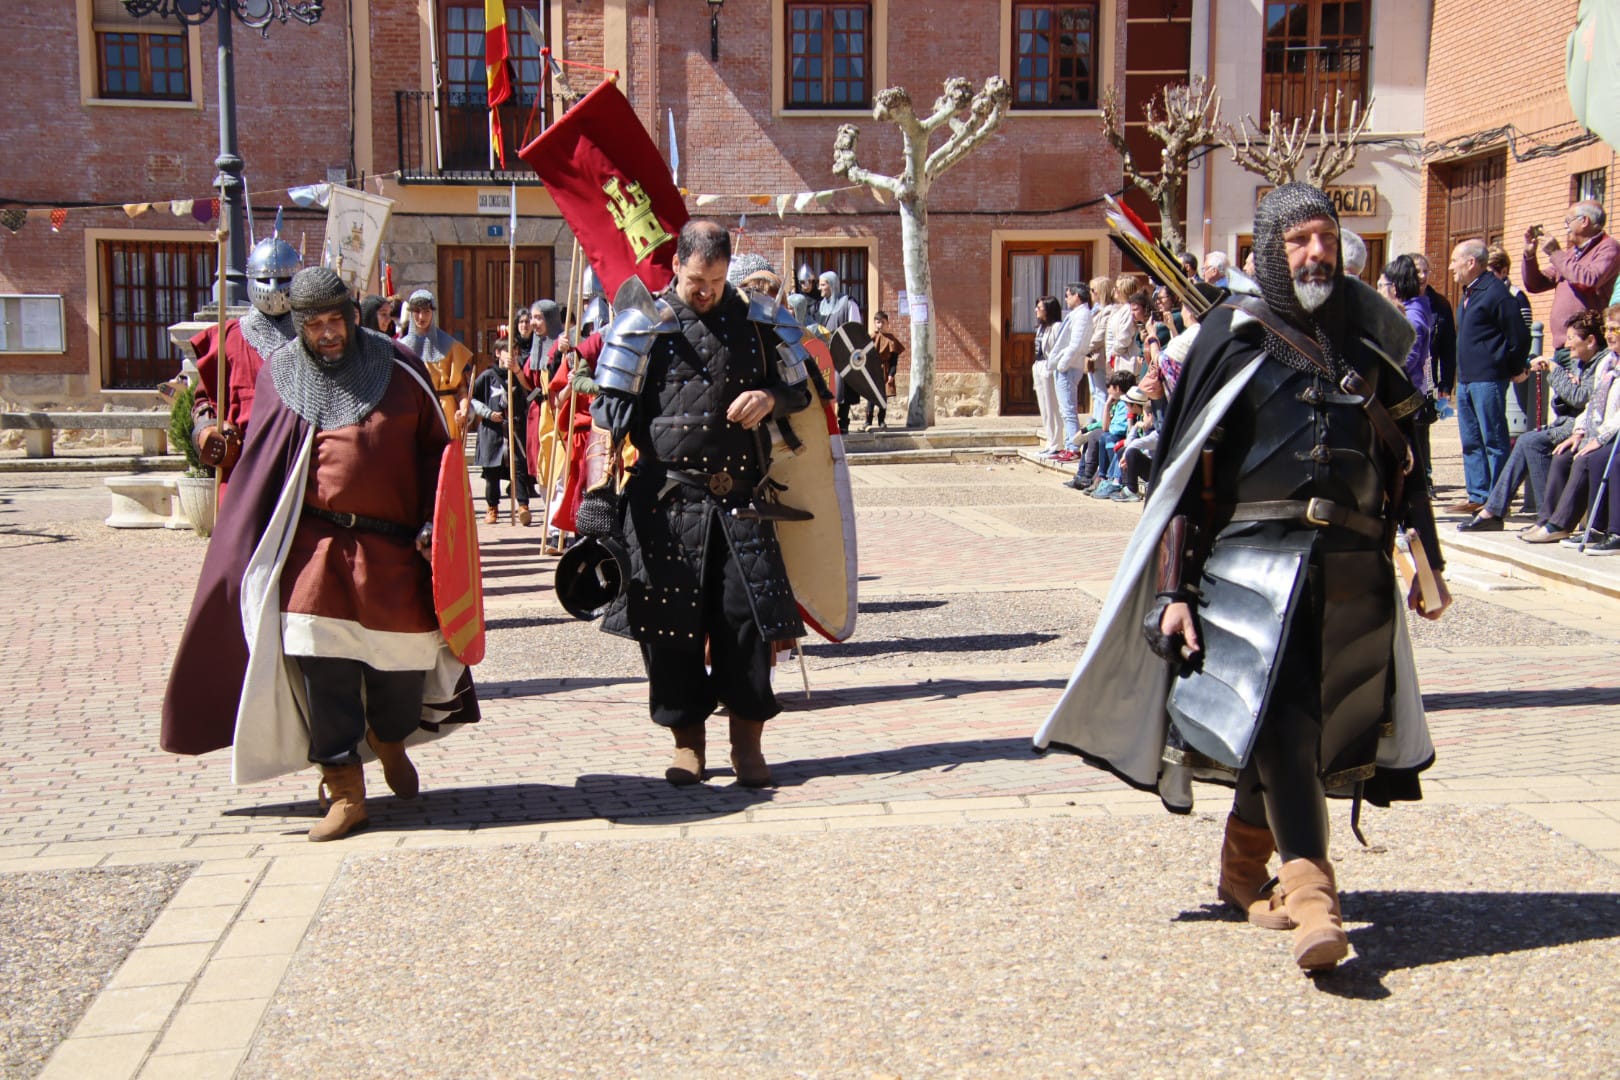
920, 894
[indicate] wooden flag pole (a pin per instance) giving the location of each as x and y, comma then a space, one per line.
222, 366
556, 420
511, 359
576, 300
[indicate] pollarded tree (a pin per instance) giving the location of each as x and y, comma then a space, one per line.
1182, 118
1278, 157
971, 118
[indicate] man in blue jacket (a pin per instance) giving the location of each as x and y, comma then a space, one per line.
1492, 346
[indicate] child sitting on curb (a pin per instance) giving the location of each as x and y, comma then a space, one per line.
1096, 442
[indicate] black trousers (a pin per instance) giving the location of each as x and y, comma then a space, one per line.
680, 692
494, 474
346, 695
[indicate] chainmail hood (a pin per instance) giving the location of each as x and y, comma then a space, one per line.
1283, 208
264, 333
432, 346
331, 396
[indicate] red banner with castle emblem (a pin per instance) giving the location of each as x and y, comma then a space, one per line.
613, 188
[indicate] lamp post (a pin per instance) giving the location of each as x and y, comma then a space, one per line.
714, 28
256, 15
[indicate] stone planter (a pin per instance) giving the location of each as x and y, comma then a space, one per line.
197, 502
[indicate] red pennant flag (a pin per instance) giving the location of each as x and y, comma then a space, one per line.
613, 188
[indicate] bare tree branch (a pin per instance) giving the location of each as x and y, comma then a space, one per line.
1336, 151
986, 110
844, 163
1284, 147
1189, 119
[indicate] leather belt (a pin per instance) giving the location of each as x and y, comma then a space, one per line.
719, 484
346, 520
1322, 513
452, 392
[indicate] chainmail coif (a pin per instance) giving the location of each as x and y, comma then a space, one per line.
330, 393
1283, 208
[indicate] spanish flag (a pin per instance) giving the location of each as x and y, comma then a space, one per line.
496, 53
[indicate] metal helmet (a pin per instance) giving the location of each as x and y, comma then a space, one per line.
270, 269
591, 575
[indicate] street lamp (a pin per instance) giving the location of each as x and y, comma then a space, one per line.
256, 15
714, 28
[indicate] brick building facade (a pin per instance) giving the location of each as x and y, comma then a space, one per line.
1488, 73
134, 121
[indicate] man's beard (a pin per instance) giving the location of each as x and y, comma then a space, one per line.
1312, 294
319, 357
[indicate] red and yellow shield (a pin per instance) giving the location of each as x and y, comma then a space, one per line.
458, 584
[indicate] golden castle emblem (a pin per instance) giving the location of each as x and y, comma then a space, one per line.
633, 215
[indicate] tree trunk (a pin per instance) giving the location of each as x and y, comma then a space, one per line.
919, 290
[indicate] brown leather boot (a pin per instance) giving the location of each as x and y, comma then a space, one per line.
747, 761
1312, 899
1243, 881
397, 767
492, 516
686, 767
343, 799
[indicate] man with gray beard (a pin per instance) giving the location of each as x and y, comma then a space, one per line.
1261, 576
313, 636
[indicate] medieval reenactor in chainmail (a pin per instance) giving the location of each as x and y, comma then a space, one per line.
313, 628
692, 379
449, 362
1261, 575
248, 340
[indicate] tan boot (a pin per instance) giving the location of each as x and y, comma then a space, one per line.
1244, 852
686, 767
397, 767
344, 800
1312, 898
746, 759
524, 517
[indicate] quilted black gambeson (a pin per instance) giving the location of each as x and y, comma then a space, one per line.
680, 424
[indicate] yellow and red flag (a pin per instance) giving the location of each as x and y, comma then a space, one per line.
496, 53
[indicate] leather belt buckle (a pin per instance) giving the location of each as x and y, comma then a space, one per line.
1319, 512
720, 484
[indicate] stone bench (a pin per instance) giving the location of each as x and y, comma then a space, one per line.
143, 501
39, 428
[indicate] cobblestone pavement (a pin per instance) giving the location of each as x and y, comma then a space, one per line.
979, 586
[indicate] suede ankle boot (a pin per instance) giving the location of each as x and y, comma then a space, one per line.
397, 768
747, 761
1244, 852
1312, 898
687, 765
343, 799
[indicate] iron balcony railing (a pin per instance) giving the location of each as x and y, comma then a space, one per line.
463, 121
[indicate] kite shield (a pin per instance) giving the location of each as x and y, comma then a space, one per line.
458, 586
820, 553
856, 362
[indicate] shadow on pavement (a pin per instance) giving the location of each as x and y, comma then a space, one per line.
540, 687
633, 799
885, 607
520, 622
1523, 699
1415, 929
958, 643
792, 698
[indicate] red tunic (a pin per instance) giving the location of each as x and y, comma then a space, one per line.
575, 426
386, 467
244, 363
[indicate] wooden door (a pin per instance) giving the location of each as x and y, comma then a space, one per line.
1029, 272
1476, 190
474, 297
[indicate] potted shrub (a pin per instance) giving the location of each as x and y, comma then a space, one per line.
196, 487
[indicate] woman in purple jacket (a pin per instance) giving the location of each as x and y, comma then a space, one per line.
1400, 283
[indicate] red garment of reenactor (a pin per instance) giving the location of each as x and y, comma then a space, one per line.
574, 425
243, 363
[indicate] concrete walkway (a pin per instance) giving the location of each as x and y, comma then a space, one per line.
920, 894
